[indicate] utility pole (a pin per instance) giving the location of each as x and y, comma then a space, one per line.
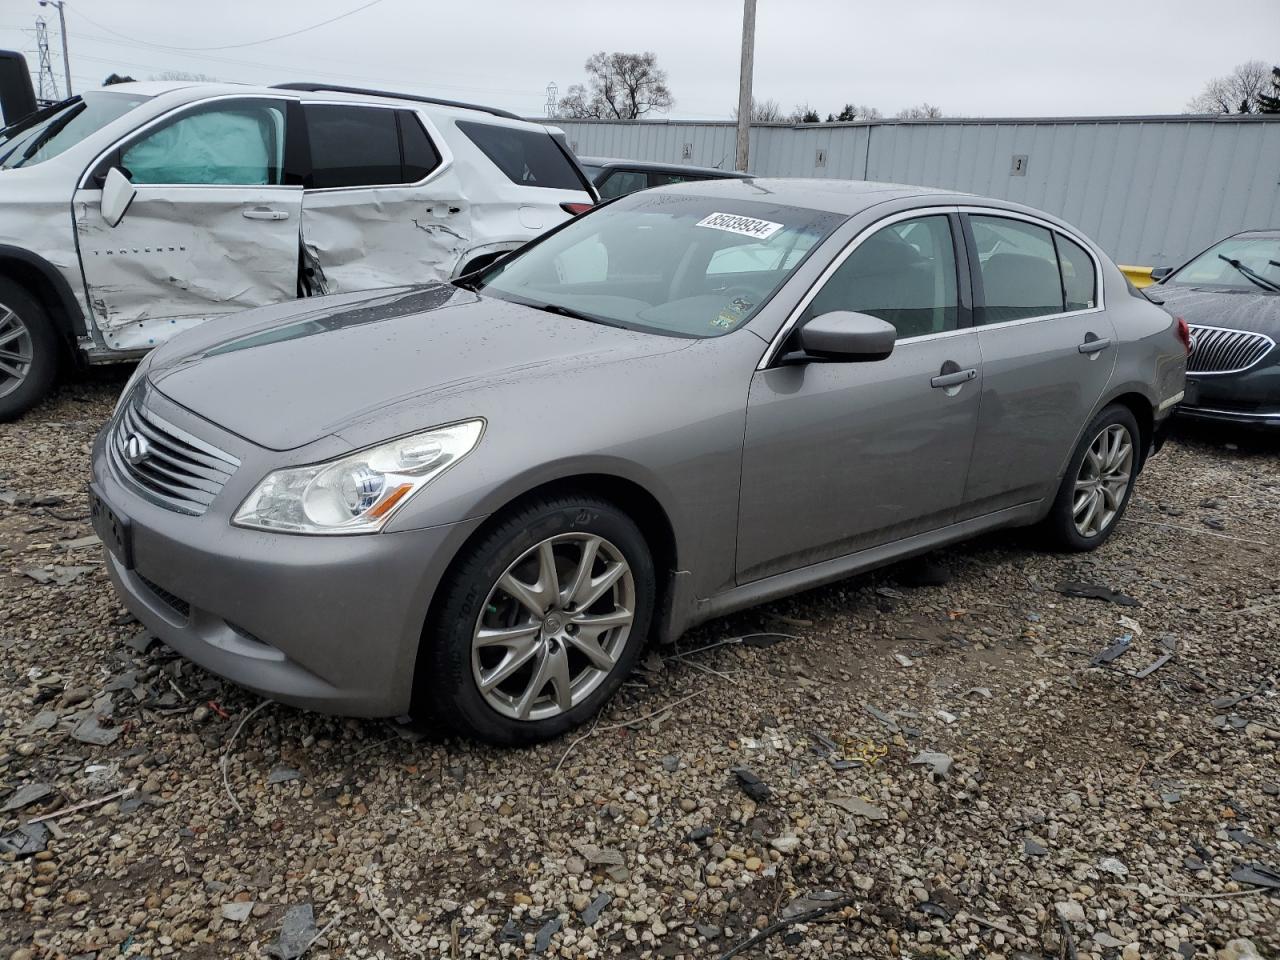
744, 82
46, 86
62, 26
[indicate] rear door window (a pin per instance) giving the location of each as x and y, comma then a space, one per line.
420, 154
530, 158
1018, 264
352, 146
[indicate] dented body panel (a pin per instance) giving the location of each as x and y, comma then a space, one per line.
363, 239
185, 253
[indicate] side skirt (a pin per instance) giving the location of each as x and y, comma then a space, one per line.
840, 568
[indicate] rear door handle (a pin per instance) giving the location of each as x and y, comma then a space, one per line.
264, 213
944, 380
1094, 345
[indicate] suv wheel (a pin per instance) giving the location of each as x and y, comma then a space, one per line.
28, 351
541, 622
1098, 483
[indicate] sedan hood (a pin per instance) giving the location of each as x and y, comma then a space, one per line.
287, 380
1256, 312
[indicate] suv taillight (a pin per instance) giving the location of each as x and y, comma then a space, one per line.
576, 208
1184, 334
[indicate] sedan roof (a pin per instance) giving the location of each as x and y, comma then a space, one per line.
837, 196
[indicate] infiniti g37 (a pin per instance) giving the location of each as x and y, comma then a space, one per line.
478, 501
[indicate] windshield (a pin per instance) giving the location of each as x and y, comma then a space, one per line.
1256, 267
25, 144
665, 263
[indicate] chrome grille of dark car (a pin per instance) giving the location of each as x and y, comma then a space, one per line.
1219, 350
170, 467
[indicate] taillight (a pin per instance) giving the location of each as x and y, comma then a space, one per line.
1184, 334
576, 208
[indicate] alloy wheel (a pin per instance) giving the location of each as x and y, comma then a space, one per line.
553, 626
1102, 481
16, 351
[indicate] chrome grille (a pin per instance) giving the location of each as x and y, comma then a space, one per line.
166, 464
1219, 350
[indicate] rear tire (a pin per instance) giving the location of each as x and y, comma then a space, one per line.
1098, 482
28, 351
539, 622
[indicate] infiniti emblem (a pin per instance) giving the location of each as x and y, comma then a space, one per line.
136, 448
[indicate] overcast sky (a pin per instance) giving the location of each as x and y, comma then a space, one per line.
970, 57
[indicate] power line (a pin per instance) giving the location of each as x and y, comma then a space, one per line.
285, 69
228, 46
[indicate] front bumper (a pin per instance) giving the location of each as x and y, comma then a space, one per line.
324, 623
1251, 398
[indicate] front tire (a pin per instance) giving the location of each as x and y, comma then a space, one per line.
28, 351
541, 621
1098, 482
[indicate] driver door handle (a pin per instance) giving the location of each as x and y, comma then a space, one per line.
944, 380
264, 213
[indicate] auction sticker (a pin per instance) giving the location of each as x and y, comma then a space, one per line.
746, 226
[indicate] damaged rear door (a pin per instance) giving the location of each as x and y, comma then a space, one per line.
212, 226
382, 205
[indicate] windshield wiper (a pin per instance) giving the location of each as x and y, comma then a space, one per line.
560, 311
1257, 279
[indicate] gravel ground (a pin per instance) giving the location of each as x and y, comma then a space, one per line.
1069, 810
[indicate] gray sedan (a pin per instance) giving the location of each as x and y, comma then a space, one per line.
477, 502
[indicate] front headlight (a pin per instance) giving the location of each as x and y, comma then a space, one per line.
359, 492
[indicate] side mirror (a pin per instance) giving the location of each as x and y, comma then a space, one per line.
1159, 273
846, 336
117, 193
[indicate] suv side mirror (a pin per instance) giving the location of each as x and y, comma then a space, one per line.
1159, 273
117, 193
846, 336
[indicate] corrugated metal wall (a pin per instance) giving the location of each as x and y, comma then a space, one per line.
1150, 190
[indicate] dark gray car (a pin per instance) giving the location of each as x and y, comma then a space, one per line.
1230, 297
617, 178
478, 501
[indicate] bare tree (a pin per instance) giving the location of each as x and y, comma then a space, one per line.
803, 113
1237, 92
620, 86
925, 111
763, 111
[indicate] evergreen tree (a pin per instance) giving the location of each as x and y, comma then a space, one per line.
1270, 102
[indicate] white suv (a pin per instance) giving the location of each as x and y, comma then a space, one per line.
130, 213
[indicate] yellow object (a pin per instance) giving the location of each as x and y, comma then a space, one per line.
1138, 276
869, 752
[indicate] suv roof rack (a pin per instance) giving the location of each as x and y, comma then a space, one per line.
333, 88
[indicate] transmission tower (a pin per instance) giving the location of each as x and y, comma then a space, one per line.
553, 99
46, 87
